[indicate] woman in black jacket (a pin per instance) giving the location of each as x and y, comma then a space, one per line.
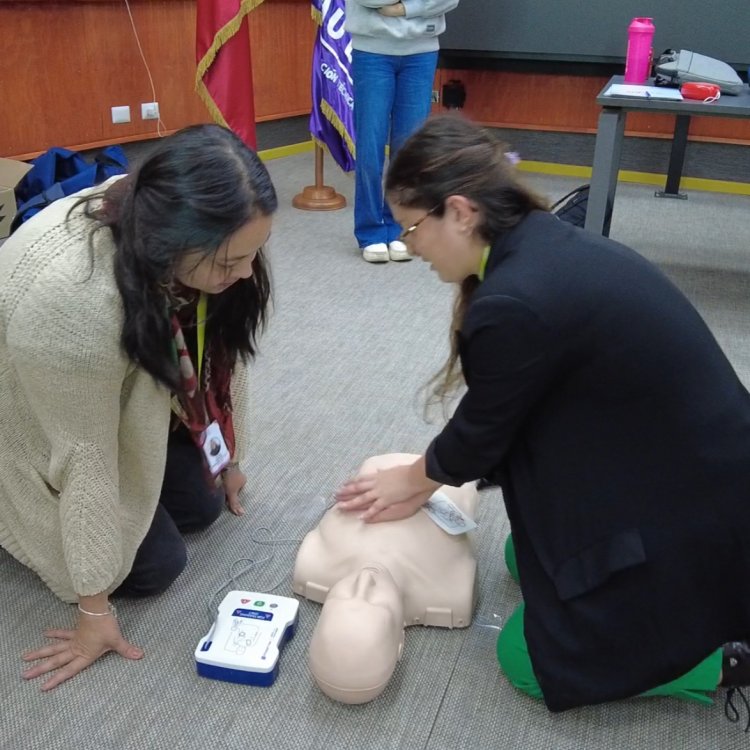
600, 402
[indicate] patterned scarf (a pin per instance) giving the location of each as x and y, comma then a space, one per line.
199, 404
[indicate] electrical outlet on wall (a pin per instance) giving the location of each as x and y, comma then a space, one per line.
120, 114
150, 111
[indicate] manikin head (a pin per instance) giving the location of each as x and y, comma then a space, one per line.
359, 636
375, 579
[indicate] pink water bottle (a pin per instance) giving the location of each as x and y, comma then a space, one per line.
640, 50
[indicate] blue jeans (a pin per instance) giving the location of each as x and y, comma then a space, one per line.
392, 93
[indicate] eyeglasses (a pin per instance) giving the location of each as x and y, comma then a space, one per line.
413, 228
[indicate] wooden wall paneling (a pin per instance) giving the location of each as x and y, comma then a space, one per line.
166, 29
529, 101
120, 76
66, 64
282, 34
35, 97
72, 62
567, 103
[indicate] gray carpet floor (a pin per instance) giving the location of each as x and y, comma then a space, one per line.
338, 378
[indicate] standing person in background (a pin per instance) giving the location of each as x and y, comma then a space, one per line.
116, 304
394, 58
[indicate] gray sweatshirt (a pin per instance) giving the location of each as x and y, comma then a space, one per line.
412, 34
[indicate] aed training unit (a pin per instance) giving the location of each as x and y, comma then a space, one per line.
245, 641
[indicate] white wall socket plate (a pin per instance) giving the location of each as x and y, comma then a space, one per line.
150, 111
120, 114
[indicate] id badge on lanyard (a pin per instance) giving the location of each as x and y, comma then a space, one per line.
214, 448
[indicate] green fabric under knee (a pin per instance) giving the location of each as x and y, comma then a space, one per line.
513, 655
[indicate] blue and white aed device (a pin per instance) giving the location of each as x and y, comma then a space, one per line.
246, 638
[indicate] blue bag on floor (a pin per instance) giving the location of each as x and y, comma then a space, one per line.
59, 172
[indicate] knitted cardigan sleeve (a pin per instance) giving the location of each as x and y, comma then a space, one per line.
240, 410
64, 342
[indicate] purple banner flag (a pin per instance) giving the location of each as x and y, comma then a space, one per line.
332, 116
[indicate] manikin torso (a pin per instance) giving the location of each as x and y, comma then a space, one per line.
374, 579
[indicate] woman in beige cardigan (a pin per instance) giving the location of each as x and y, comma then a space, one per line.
127, 314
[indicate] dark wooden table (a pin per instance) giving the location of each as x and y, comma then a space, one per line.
610, 133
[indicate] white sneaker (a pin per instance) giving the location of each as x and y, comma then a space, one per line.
397, 251
377, 253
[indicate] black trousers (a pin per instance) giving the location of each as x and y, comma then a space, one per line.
188, 502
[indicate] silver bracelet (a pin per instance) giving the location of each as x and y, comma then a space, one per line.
110, 607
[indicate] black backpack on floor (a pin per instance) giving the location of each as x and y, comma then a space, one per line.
572, 207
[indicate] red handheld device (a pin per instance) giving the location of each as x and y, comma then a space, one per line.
700, 91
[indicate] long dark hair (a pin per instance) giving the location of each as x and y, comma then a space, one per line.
449, 155
194, 190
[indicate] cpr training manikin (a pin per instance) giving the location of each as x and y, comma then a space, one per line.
374, 580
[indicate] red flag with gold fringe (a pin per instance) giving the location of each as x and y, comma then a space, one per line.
224, 78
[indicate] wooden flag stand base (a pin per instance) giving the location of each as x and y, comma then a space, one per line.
318, 197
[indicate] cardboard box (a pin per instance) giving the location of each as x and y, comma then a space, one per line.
11, 172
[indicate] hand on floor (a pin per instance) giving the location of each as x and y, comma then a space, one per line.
74, 650
234, 480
